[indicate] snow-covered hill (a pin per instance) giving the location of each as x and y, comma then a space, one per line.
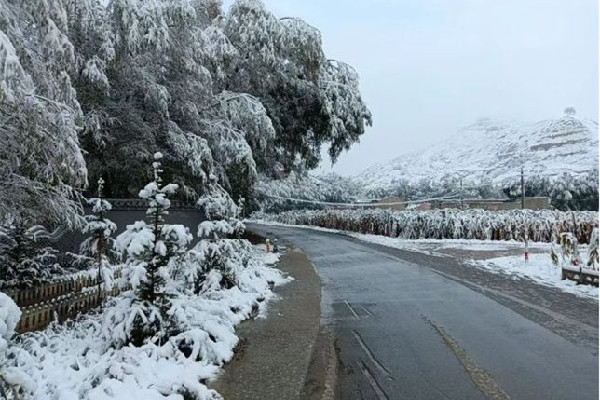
493, 152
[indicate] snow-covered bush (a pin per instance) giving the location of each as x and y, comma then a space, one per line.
569, 249
152, 250
569, 254
539, 226
24, 262
86, 359
9, 318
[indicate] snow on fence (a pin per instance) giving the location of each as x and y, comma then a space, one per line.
540, 226
39, 315
64, 298
27, 296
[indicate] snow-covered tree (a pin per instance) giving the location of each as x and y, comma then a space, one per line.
216, 251
97, 250
151, 250
254, 90
24, 262
41, 163
311, 100
219, 95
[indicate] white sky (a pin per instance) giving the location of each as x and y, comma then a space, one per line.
428, 67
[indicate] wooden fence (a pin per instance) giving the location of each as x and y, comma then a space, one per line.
60, 299
38, 316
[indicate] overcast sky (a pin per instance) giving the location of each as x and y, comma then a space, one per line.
428, 67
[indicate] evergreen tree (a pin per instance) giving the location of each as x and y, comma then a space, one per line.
24, 262
98, 247
151, 249
218, 245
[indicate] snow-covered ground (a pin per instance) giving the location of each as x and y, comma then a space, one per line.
540, 269
80, 359
484, 254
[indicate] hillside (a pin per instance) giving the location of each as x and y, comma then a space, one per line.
492, 152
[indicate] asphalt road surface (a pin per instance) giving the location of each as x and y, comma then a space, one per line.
414, 326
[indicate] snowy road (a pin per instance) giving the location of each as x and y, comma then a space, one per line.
415, 326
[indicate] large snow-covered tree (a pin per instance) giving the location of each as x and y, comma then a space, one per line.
224, 96
41, 163
312, 101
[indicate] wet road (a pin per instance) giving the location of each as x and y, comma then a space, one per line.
413, 326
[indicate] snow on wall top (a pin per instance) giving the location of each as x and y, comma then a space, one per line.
494, 151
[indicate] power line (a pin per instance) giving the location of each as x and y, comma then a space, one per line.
451, 197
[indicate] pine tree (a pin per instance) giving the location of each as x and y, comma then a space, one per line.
99, 246
24, 262
152, 249
218, 250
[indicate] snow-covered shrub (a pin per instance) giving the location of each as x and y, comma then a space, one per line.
539, 226
569, 247
151, 250
24, 262
86, 359
9, 318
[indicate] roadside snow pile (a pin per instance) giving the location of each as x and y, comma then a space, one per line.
540, 269
441, 245
9, 318
87, 358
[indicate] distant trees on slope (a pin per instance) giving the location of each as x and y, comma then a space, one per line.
566, 192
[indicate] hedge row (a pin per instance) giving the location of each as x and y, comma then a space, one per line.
541, 226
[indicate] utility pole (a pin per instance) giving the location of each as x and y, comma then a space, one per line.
522, 209
461, 193
522, 188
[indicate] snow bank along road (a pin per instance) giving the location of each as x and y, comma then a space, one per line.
414, 326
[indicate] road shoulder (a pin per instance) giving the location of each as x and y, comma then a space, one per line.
275, 352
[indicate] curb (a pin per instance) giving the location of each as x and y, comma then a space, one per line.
322, 372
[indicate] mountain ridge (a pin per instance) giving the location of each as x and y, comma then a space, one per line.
493, 152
